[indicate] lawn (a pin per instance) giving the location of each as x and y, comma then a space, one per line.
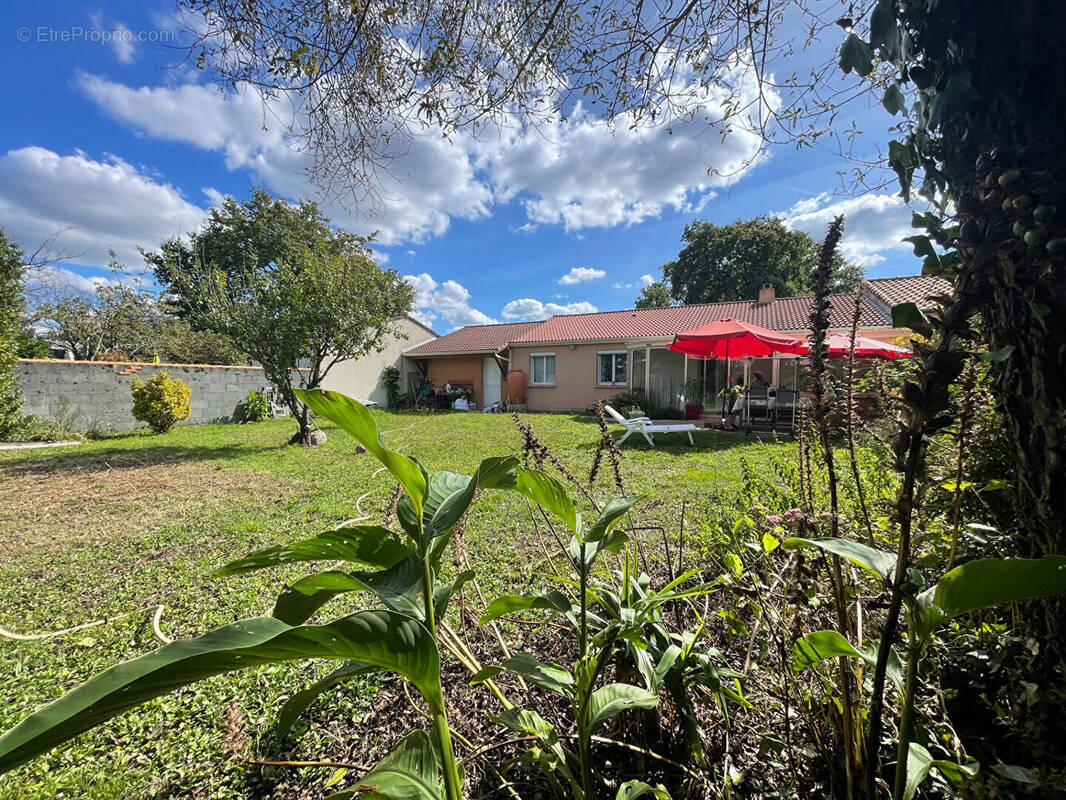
129, 522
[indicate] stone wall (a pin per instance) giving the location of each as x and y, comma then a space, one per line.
99, 391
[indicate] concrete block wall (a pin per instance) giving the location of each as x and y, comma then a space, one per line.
100, 391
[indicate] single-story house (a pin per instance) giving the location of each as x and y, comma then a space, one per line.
475, 357
361, 377
571, 361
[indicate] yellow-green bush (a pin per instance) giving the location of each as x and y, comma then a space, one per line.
161, 401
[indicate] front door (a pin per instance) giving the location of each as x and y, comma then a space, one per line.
491, 382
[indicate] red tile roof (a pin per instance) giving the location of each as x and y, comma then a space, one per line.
472, 339
784, 314
910, 289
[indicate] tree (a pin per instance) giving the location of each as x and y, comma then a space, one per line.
307, 296
11, 261
732, 262
654, 295
120, 322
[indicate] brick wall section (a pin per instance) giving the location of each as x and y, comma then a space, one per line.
100, 391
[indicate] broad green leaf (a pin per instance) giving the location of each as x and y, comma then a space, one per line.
353, 418
770, 542
878, 562
382, 638
548, 676
732, 560
821, 645
990, 582
450, 494
908, 315
523, 720
370, 545
508, 604
856, 56
893, 99
442, 594
919, 761
1002, 354
633, 789
298, 703
1016, 773
609, 517
408, 772
544, 490
958, 773
614, 698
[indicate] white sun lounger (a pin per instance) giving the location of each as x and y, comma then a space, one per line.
644, 426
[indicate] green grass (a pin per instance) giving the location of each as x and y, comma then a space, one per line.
128, 522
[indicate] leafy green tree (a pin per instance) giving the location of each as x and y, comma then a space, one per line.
304, 297
655, 295
732, 262
11, 261
115, 322
178, 342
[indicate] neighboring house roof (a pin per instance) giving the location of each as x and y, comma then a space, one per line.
783, 314
472, 340
911, 289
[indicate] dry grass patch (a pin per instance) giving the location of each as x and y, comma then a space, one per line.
45, 507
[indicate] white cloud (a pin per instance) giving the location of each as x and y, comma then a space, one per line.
423, 189
582, 173
581, 275
526, 308
449, 300
639, 283
63, 279
117, 35
873, 223
576, 173
107, 204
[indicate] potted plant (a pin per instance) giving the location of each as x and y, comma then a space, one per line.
694, 393
731, 393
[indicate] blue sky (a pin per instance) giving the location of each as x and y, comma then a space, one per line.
115, 141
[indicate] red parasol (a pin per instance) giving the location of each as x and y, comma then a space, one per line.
865, 347
733, 338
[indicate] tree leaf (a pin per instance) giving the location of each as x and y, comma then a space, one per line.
908, 315
1002, 354
544, 490
353, 418
856, 56
1015, 773
508, 604
382, 638
299, 702
893, 100
614, 698
958, 773
370, 545
408, 772
879, 562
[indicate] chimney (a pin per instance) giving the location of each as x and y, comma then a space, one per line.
766, 294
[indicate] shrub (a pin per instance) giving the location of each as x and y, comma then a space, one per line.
390, 379
255, 407
161, 401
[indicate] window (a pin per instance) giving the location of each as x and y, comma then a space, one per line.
611, 368
542, 369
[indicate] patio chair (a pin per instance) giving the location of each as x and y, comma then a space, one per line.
645, 427
785, 413
757, 408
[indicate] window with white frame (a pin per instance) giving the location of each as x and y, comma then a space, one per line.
611, 368
542, 369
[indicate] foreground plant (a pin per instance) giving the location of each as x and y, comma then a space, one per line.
401, 569
972, 586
